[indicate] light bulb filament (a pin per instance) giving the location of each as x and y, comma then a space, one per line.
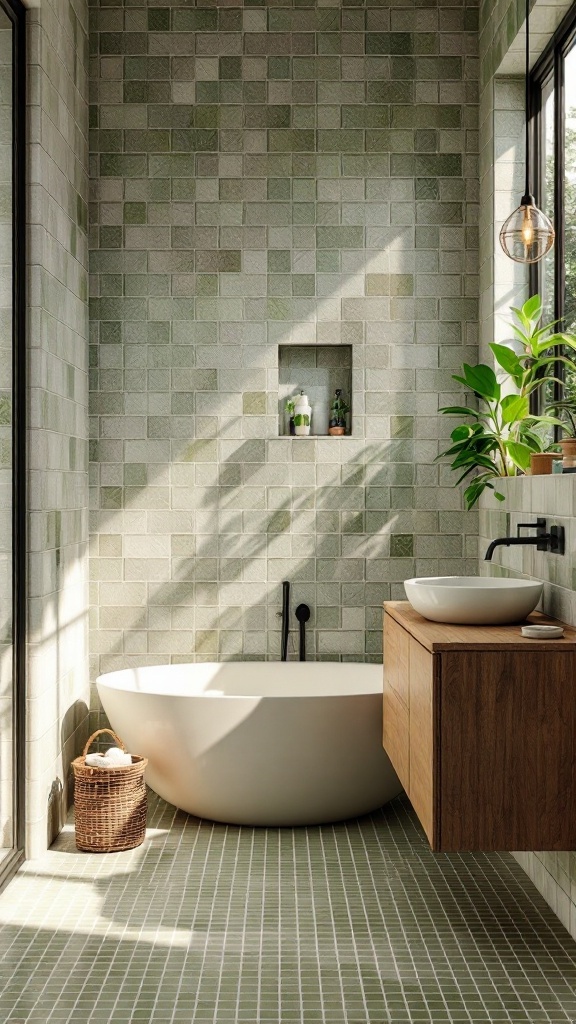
527, 227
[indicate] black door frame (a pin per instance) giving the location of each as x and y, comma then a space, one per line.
16, 12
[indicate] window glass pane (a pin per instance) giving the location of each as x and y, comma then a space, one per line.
569, 217
547, 177
542, 278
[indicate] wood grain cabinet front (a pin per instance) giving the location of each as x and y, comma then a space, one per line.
396, 733
481, 729
423, 743
396, 723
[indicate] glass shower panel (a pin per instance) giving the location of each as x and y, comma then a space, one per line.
7, 737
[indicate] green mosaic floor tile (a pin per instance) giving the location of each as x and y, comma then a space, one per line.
352, 923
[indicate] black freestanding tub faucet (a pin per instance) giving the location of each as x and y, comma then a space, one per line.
302, 614
285, 619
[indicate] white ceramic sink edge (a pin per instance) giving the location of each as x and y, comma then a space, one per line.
473, 600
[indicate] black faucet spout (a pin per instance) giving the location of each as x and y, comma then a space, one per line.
510, 541
544, 540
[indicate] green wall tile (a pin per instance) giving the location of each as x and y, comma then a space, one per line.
291, 140
159, 19
196, 20
389, 42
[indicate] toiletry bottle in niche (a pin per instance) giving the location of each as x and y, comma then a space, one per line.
320, 417
338, 411
302, 415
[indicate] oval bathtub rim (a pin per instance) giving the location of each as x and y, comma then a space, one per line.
114, 681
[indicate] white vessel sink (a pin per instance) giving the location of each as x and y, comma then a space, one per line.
473, 600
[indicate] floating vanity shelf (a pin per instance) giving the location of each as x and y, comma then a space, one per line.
480, 725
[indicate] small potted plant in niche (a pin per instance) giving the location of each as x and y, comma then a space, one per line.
504, 434
338, 412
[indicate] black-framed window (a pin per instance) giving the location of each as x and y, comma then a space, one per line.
553, 124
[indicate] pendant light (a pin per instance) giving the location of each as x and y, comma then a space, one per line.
527, 235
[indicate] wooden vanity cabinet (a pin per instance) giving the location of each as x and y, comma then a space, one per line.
480, 725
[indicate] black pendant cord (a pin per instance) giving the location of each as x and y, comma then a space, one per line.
527, 193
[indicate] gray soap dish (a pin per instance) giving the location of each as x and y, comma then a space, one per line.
542, 632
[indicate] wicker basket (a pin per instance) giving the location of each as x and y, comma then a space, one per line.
110, 803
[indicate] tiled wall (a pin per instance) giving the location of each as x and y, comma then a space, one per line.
58, 690
267, 175
526, 498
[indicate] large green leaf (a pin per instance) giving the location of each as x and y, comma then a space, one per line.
467, 471
532, 308
568, 361
566, 340
548, 420
474, 462
474, 490
514, 408
508, 360
458, 410
524, 340
463, 451
519, 453
482, 380
535, 384
461, 432
521, 316
474, 445
535, 442
543, 331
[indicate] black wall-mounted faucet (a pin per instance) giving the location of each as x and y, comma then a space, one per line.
302, 614
552, 540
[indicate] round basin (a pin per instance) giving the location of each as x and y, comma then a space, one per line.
473, 600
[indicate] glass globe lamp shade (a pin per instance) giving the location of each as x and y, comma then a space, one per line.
527, 235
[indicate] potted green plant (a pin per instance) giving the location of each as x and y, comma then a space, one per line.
338, 412
541, 462
565, 410
504, 433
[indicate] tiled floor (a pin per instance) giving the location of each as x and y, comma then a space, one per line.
356, 922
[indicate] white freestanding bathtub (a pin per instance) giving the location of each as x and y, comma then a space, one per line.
257, 743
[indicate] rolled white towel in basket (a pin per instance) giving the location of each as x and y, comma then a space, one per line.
113, 758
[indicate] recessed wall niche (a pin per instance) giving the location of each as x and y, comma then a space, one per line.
318, 370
